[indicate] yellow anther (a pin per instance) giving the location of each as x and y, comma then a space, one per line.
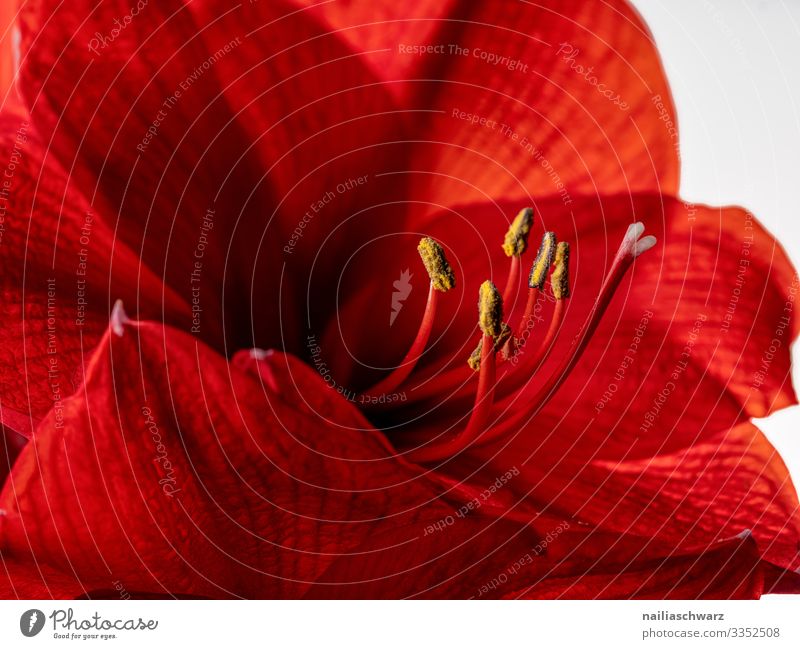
559, 280
490, 309
516, 241
436, 264
474, 360
543, 261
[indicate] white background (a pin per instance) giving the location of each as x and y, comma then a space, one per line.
734, 69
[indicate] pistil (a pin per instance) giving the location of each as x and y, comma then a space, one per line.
631, 247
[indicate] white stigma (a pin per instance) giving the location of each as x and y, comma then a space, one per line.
260, 354
632, 234
119, 318
632, 244
643, 245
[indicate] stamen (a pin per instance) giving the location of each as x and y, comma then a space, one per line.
543, 261
528, 319
516, 240
484, 399
559, 283
514, 245
512, 281
440, 272
559, 280
455, 379
490, 314
474, 360
546, 346
490, 310
536, 279
442, 280
630, 248
530, 307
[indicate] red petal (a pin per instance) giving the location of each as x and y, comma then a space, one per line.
8, 11
727, 570
87, 498
11, 443
319, 116
60, 271
328, 130
250, 124
97, 77
561, 561
781, 581
547, 91
25, 580
730, 481
264, 498
601, 565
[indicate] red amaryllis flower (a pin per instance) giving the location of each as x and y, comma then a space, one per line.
259, 176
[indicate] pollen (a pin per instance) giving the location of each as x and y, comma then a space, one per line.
474, 360
440, 272
543, 261
516, 241
490, 309
559, 280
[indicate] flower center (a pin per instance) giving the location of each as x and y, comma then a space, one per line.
503, 360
